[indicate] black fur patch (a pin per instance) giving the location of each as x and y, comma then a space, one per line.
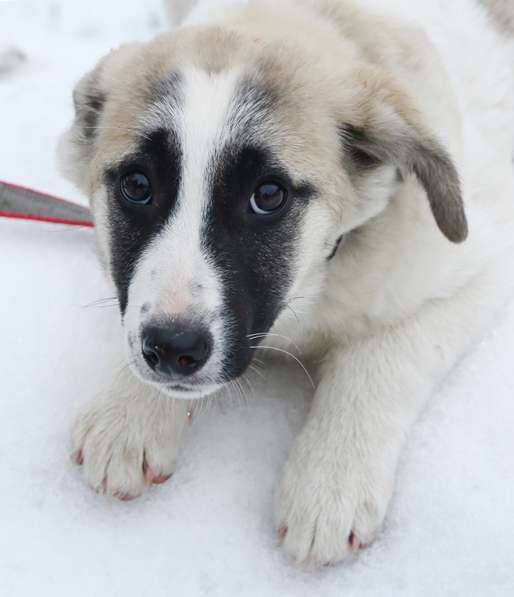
132, 227
254, 254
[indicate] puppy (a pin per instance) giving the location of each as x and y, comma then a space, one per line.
316, 172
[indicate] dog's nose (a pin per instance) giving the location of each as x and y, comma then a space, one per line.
169, 350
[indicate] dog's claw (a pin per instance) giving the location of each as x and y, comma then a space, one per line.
124, 497
77, 457
282, 532
160, 479
355, 544
151, 477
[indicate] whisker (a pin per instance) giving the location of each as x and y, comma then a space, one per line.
296, 298
105, 302
295, 315
199, 407
258, 362
236, 392
250, 386
268, 335
132, 130
295, 358
255, 370
242, 394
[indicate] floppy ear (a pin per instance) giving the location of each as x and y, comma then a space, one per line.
385, 137
76, 146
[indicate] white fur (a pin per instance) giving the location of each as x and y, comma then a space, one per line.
340, 474
131, 427
398, 308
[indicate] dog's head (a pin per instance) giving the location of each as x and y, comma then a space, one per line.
223, 167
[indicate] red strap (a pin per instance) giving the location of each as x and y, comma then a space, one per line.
24, 203
47, 219
20, 187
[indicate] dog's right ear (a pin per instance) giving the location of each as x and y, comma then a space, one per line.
78, 144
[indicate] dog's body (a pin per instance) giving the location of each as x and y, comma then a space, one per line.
368, 119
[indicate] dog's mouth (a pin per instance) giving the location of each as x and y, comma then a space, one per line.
180, 388
189, 392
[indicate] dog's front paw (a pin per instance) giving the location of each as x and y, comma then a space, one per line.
124, 446
327, 508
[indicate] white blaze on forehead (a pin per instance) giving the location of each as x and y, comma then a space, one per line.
174, 273
203, 129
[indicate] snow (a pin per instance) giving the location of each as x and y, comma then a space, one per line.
208, 531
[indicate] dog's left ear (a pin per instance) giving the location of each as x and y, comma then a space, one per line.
386, 136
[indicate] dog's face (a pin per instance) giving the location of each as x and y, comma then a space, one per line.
222, 174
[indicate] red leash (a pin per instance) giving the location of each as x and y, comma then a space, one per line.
23, 203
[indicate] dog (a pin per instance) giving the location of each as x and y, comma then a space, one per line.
325, 173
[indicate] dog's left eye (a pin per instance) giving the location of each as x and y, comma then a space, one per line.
136, 188
268, 198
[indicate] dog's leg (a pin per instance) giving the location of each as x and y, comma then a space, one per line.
129, 439
339, 478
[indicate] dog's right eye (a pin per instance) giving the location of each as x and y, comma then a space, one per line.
268, 199
136, 188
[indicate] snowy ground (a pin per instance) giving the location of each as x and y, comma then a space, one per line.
209, 531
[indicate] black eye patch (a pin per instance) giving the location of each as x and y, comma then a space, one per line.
134, 224
237, 172
255, 256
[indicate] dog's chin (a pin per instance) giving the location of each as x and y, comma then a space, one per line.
180, 392
177, 391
